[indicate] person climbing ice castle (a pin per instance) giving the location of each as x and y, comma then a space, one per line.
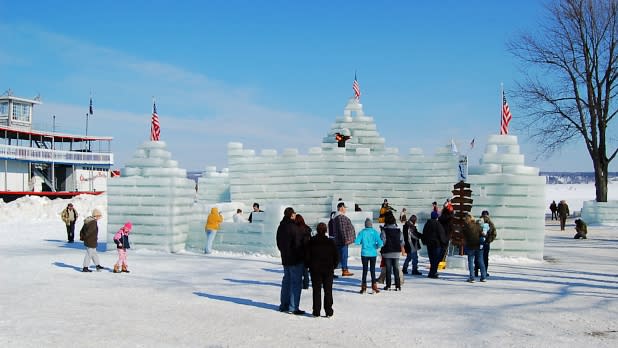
342, 137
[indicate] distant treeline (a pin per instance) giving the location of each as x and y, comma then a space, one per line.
573, 177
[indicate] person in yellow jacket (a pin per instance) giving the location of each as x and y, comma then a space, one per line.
213, 222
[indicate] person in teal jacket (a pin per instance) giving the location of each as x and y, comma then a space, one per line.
370, 241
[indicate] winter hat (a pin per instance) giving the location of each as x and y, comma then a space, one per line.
96, 212
434, 215
368, 222
128, 226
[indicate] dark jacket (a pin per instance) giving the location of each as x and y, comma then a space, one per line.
392, 241
89, 232
472, 235
446, 220
290, 242
434, 234
411, 237
322, 254
122, 240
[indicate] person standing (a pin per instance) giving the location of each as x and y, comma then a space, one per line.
344, 235
121, 238
369, 240
290, 244
433, 237
69, 216
471, 231
322, 258
554, 210
403, 216
238, 218
213, 223
491, 236
90, 234
411, 237
393, 247
300, 221
563, 213
256, 209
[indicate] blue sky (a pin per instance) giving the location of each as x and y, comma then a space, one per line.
270, 74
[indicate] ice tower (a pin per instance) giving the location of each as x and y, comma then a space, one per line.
514, 194
156, 196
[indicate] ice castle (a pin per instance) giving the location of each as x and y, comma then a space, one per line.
351, 164
363, 172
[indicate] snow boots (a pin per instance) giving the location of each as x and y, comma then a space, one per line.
124, 269
363, 289
116, 269
85, 269
346, 273
374, 287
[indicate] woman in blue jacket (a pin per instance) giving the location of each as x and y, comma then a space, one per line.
369, 240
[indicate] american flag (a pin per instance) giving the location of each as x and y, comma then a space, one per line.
506, 116
356, 88
90, 111
155, 130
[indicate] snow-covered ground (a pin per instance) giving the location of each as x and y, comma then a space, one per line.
231, 300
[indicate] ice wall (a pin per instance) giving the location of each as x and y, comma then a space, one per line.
156, 196
363, 172
514, 194
600, 213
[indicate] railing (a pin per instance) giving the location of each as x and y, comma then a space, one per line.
57, 156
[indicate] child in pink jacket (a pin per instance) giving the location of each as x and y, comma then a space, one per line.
121, 238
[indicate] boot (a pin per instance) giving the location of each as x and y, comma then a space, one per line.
85, 269
363, 289
416, 272
116, 269
124, 269
346, 273
374, 287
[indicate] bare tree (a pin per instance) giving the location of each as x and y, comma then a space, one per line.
567, 93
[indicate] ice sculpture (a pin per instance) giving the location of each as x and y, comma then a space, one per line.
603, 213
156, 196
364, 172
514, 194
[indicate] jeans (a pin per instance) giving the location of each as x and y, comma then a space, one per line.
435, 255
291, 287
343, 256
369, 262
412, 256
392, 266
474, 255
210, 238
485, 255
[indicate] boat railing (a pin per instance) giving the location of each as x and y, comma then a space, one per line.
57, 156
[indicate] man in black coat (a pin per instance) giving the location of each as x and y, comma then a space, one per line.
433, 237
322, 258
290, 242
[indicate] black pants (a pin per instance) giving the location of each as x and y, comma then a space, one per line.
369, 263
435, 254
321, 280
71, 231
562, 222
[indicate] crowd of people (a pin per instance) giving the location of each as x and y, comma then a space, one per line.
308, 259
326, 251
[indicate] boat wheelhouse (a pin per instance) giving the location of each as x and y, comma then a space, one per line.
47, 163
